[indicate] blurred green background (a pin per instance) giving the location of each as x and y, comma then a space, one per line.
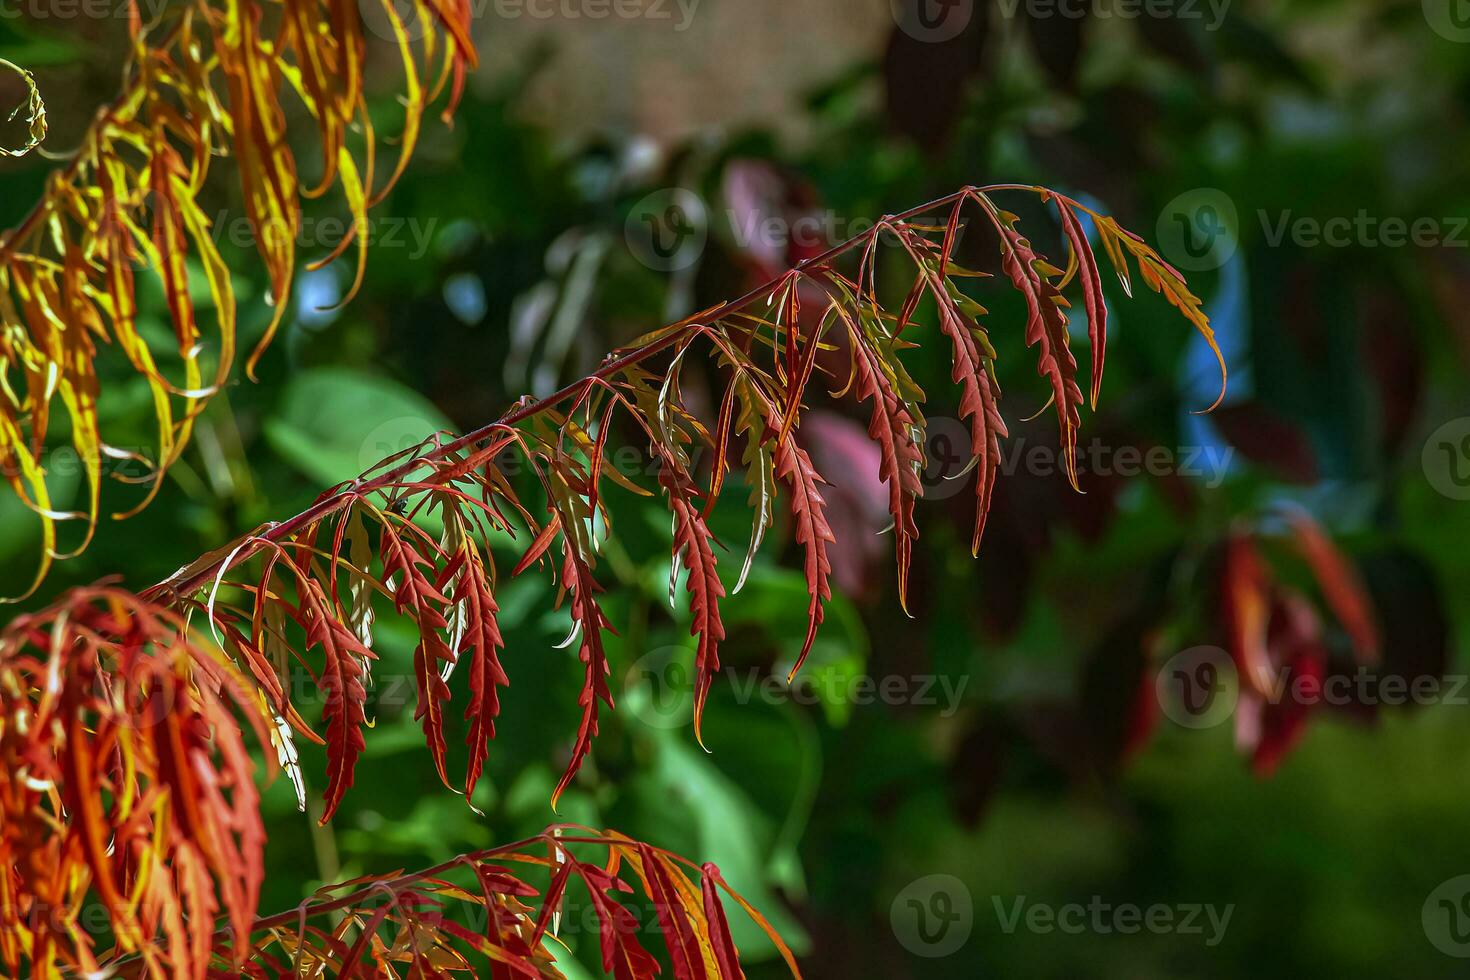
1021, 751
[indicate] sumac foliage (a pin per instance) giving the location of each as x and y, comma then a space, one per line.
131, 842
207, 79
304, 586
481, 915
126, 788
128, 781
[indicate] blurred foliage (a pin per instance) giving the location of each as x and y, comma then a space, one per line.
509, 272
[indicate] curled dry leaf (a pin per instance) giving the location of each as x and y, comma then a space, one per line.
34, 110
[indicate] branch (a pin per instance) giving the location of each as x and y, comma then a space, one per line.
406, 918
768, 346
197, 575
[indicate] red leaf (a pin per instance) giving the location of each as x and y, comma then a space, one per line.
577, 580
727, 957
673, 921
538, 547
414, 594
813, 532
979, 402
1092, 293
692, 538
1046, 329
617, 928
481, 641
900, 458
127, 780
341, 681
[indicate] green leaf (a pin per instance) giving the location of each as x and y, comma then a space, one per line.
333, 423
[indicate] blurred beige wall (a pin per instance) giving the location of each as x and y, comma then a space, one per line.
669, 68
